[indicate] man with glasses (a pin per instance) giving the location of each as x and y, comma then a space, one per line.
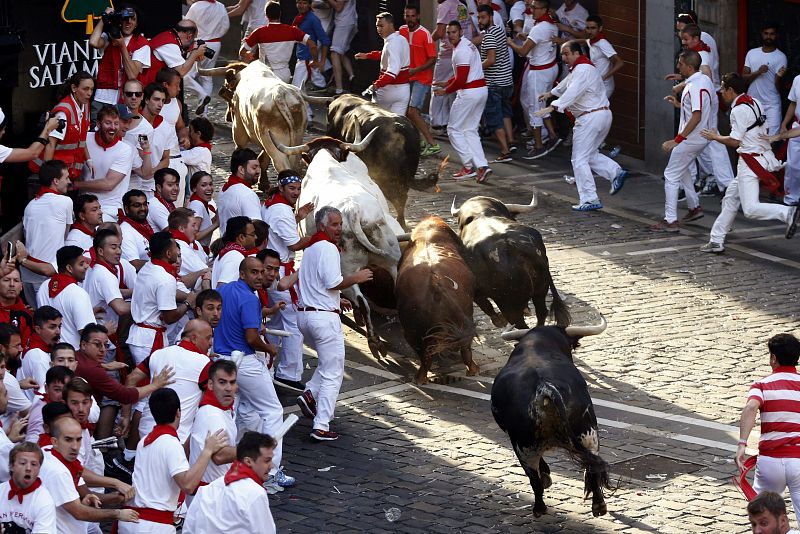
170, 49
136, 129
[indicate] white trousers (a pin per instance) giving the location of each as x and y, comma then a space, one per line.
714, 160
462, 130
588, 134
773, 112
323, 333
743, 190
776, 474
290, 355
139, 353
440, 105
791, 177
300, 76
202, 85
145, 527
536, 82
393, 97
677, 176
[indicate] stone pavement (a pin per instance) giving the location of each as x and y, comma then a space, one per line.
687, 336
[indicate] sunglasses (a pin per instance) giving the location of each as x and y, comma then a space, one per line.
131, 94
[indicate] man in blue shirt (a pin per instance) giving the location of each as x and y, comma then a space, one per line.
238, 330
307, 21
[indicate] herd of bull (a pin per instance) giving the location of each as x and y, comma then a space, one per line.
433, 275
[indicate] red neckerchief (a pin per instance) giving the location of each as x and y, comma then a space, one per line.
188, 345
157, 120
17, 306
545, 18
232, 246
204, 145
276, 198
743, 98
81, 228
582, 60
180, 236
19, 493
158, 431
166, 203
58, 282
239, 471
700, 47
45, 190
102, 144
208, 206
234, 179
75, 467
36, 342
167, 267
298, 20
263, 298
45, 440
599, 37
143, 228
320, 236
117, 270
209, 399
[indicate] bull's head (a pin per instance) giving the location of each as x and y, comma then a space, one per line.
489, 207
574, 332
338, 149
232, 76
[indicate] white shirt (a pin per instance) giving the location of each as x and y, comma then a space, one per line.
581, 91
241, 507
35, 421
162, 140
211, 19
36, 513
45, 222
171, 113
5, 451
102, 287
210, 419
200, 210
134, 245
320, 271
154, 292
74, 304
465, 53
396, 54
80, 239
142, 55
575, 18
226, 269
742, 117
120, 158
132, 139
696, 96
347, 16
763, 87
235, 201
170, 54
17, 402
712, 44
5, 151
254, 16
35, 365
189, 367
544, 50
157, 215
282, 229
192, 260
58, 481
517, 11
601, 53
156, 464
197, 159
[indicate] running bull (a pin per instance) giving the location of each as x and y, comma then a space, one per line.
509, 261
434, 292
541, 401
336, 177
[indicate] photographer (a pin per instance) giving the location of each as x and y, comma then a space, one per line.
18, 155
126, 53
170, 49
212, 25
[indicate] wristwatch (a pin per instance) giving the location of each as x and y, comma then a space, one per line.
41, 140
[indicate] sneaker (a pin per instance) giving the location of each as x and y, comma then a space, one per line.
291, 385
282, 479
591, 205
618, 181
272, 486
710, 188
307, 404
512, 148
664, 226
551, 144
120, 468
504, 157
716, 248
536, 153
791, 228
324, 435
465, 173
693, 215
614, 152
201, 109
483, 174
430, 150
681, 195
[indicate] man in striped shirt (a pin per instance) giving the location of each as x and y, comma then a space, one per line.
777, 397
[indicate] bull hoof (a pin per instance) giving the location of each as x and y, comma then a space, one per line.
599, 509
377, 348
546, 480
539, 509
473, 369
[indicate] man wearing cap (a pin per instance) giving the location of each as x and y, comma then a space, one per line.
19, 155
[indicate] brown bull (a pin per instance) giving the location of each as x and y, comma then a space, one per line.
435, 288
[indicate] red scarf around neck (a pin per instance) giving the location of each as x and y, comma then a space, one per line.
19, 493
545, 18
117, 270
143, 228
171, 269
240, 471
208, 206
102, 144
276, 198
45, 440
209, 399
166, 203
298, 20
320, 236
233, 180
582, 60
188, 345
743, 98
75, 467
58, 282
180, 236
599, 37
81, 228
204, 145
36, 342
700, 47
18, 305
232, 246
45, 190
158, 431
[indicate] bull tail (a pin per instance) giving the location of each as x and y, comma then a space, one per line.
286, 113
364, 240
449, 335
549, 401
559, 309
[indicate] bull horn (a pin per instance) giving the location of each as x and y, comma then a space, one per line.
516, 209
513, 335
453, 210
288, 150
358, 146
321, 100
582, 331
216, 71
404, 237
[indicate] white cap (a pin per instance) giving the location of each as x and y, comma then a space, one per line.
2, 116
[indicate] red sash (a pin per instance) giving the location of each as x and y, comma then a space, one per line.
165, 517
543, 67
158, 341
767, 179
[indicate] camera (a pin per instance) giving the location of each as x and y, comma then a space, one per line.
44, 117
208, 53
112, 22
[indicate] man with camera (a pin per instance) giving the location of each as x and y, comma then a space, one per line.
212, 24
20, 155
126, 53
171, 49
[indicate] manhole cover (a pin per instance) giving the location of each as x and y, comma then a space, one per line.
654, 467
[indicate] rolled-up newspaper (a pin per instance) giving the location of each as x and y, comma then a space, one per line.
279, 333
284, 428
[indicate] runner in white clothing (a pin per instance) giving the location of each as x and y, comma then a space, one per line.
24, 502
177, 131
136, 231
239, 240
791, 175
391, 90
237, 197
194, 271
88, 216
602, 53
764, 68
211, 18
163, 203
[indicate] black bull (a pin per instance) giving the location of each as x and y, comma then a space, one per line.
542, 402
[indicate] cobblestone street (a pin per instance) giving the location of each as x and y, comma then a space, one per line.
686, 338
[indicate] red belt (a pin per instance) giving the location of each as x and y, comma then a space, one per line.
158, 341
310, 309
593, 110
475, 84
767, 179
543, 67
165, 517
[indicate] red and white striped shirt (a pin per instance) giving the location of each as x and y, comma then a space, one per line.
778, 396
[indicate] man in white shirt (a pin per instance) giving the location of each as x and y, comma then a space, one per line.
572, 20
24, 502
183, 225
64, 292
319, 283
690, 17
791, 175
136, 231
345, 25
88, 216
55, 380
161, 135
136, 129
162, 471
236, 503
174, 126
212, 22
198, 156
252, 12
36, 358
239, 240
392, 89
602, 53
583, 93
167, 184
764, 68
170, 49
45, 222
237, 198
109, 283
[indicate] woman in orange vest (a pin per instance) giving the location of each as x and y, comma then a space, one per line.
68, 144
